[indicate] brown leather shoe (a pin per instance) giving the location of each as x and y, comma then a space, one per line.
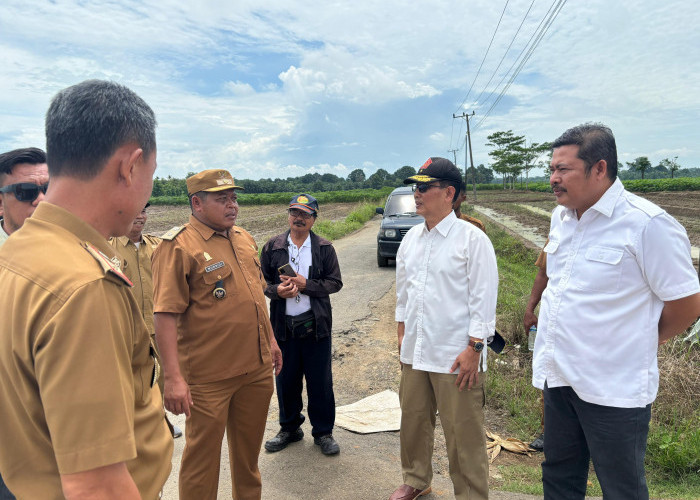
406, 492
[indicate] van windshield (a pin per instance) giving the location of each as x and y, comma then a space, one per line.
400, 204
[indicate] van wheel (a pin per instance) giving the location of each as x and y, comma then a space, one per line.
382, 261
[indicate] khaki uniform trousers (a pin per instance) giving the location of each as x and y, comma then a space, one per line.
462, 419
239, 405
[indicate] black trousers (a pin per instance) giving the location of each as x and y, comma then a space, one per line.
309, 359
577, 431
5, 493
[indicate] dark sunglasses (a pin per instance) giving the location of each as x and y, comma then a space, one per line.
25, 191
423, 188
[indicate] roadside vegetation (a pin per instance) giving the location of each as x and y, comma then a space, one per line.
642, 185
673, 452
332, 230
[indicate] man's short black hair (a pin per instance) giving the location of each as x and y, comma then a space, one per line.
88, 122
456, 185
8, 160
596, 142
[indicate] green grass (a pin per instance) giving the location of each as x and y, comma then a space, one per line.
332, 230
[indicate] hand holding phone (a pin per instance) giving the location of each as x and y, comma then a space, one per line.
286, 270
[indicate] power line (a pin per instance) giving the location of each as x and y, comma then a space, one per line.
484, 59
506, 52
526, 58
525, 48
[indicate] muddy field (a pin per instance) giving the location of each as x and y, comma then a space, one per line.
262, 221
683, 205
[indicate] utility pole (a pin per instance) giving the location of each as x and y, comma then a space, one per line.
454, 152
468, 144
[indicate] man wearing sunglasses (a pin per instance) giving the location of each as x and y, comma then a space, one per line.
78, 411
24, 178
300, 312
446, 289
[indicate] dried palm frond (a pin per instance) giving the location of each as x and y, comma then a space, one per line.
493, 447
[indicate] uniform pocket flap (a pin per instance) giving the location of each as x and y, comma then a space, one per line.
606, 255
551, 246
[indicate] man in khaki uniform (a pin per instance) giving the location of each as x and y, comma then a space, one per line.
137, 250
24, 178
457, 207
77, 408
215, 339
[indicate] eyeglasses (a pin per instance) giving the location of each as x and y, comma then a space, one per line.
25, 191
423, 188
293, 212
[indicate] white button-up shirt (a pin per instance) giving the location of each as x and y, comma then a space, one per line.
446, 288
609, 275
300, 260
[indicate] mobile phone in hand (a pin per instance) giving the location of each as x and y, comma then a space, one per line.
286, 270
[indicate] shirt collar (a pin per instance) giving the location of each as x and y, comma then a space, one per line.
307, 241
205, 230
125, 241
605, 205
443, 227
61, 217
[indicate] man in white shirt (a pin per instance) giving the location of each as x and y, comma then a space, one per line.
446, 287
621, 282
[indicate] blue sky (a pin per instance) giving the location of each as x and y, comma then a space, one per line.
282, 88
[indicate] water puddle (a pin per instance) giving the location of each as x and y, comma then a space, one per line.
529, 233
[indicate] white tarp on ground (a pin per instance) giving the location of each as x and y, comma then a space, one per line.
378, 413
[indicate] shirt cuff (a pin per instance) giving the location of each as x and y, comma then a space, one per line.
481, 330
400, 315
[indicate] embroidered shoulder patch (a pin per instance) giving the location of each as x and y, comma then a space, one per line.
171, 233
108, 266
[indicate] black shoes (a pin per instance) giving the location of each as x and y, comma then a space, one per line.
328, 445
282, 439
538, 444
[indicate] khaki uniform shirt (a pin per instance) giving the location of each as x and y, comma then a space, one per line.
75, 366
541, 261
137, 267
217, 338
473, 220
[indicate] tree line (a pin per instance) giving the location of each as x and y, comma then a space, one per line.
315, 183
512, 157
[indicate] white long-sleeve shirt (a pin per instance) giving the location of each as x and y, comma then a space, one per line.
446, 288
610, 273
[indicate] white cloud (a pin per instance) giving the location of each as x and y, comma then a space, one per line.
239, 88
237, 85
